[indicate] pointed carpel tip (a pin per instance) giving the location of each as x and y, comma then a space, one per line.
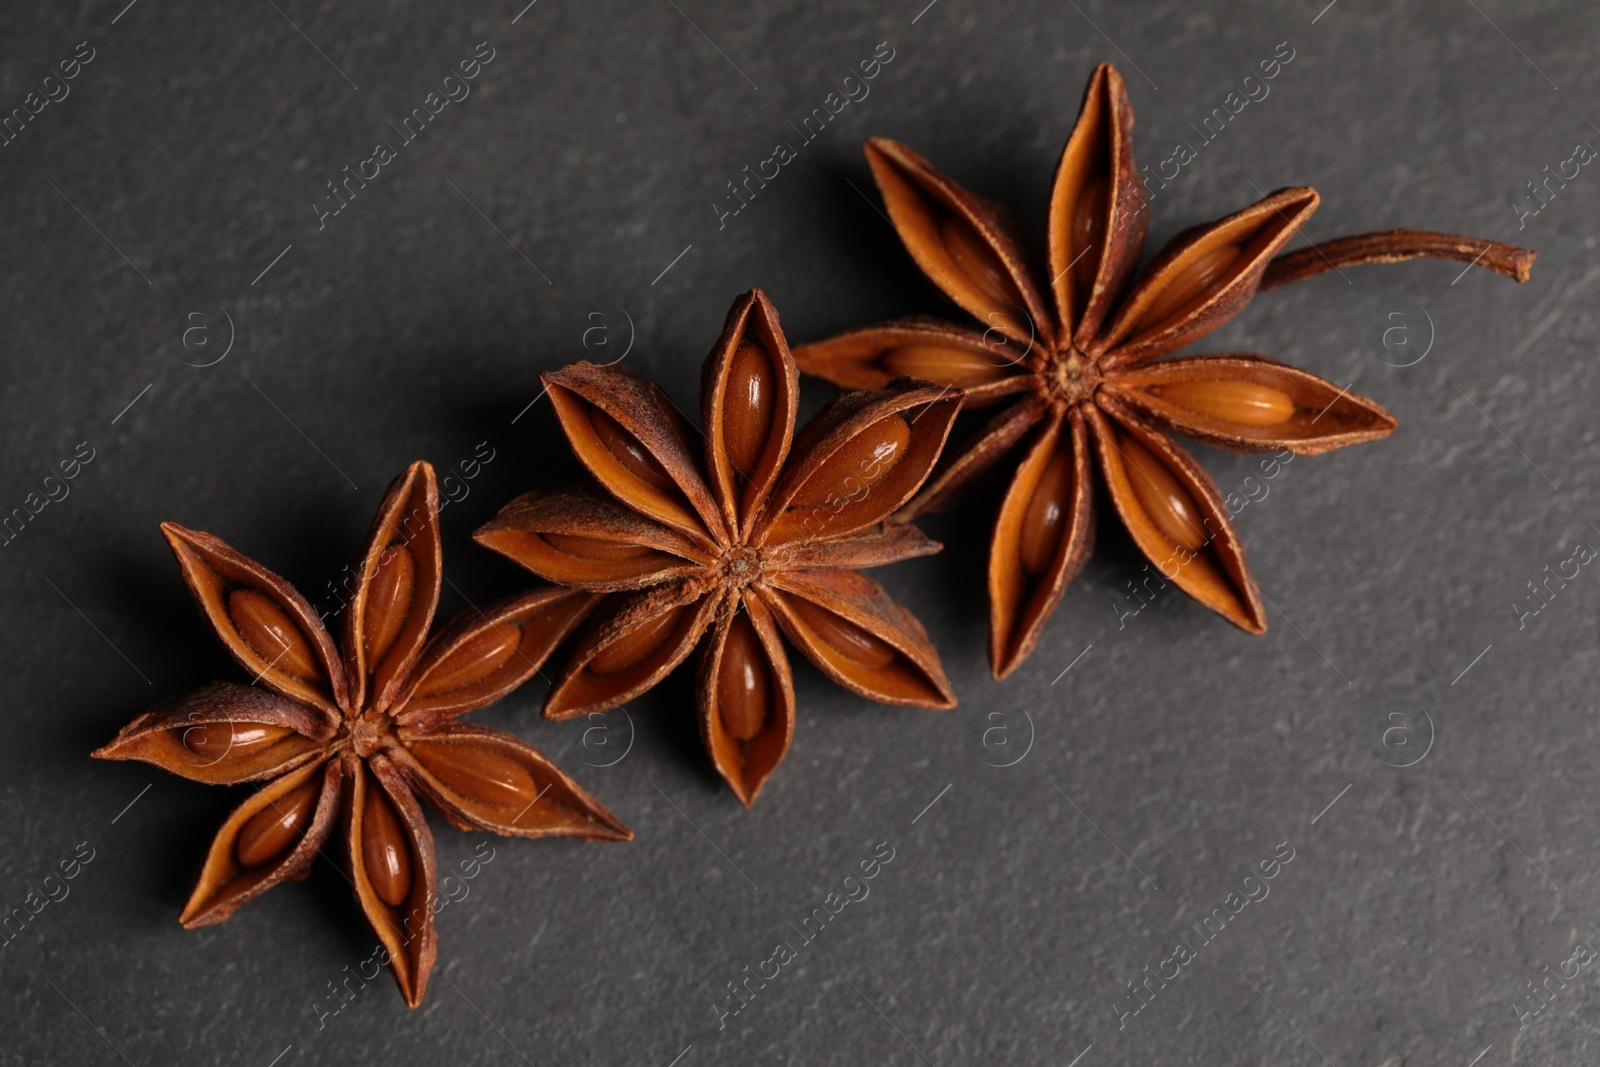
558, 712
883, 151
1000, 667
1305, 197
743, 790
176, 534
430, 478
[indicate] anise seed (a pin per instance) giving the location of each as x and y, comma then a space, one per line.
272, 830
479, 774
389, 599
861, 463
1247, 403
1045, 520
1166, 502
474, 660
953, 366
743, 687
635, 646
595, 548
976, 260
627, 449
214, 740
1191, 283
1088, 224
273, 635
843, 637
385, 852
747, 406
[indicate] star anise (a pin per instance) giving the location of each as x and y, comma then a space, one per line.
1083, 376
763, 534
361, 732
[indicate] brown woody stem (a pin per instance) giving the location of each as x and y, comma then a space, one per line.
1392, 246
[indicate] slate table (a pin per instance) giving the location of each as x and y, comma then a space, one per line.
202, 332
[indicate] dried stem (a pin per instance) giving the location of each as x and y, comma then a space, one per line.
1392, 246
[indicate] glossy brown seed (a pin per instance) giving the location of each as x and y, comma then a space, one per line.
595, 548
389, 600
859, 464
1088, 226
474, 660
627, 450
945, 366
845, 638
976, 260
1045, 520
213, 740
1164, 500
744, 689
276, 827
479, 774
1245, 403
633, 647
384, 849
747, 406
1190, 284
273, 635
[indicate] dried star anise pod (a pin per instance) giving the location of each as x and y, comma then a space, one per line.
360, 733
1083, 378
763, 535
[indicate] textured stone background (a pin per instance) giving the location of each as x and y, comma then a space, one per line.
1175, 753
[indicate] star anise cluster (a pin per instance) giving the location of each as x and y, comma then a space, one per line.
734, 540
725, 537
357, 734
1074, 361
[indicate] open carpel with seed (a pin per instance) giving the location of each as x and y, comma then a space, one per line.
725, 538
1072, 364
357, 733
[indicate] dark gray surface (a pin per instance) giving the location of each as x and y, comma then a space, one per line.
1175, 754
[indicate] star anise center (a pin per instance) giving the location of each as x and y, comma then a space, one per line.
740, 565
1070, 377
369, 733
